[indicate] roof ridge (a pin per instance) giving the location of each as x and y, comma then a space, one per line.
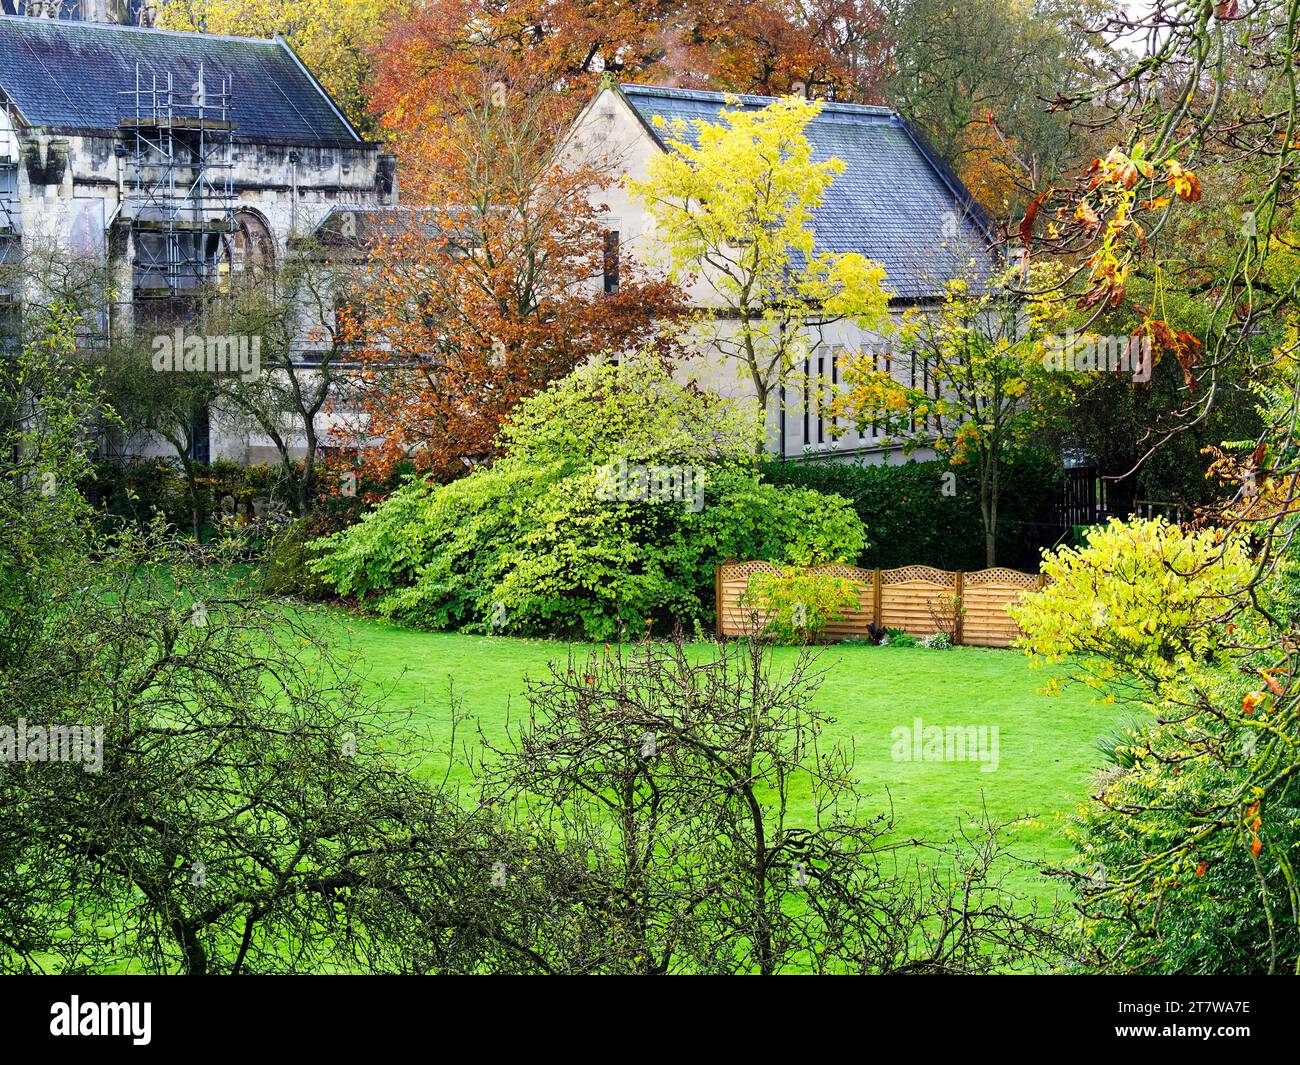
69, 76
714, 96
114, 27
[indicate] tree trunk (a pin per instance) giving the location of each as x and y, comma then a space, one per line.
989, 510
308, 476
760, 444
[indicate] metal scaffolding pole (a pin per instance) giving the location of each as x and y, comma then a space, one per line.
179, 145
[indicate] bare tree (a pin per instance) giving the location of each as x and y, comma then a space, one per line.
303, 324
677, 779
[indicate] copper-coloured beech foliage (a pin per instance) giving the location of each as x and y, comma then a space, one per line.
497, 284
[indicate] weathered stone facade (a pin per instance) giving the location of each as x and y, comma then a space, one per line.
84, 177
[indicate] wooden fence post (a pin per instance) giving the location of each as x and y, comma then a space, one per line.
956, 621
717, 599
875, 596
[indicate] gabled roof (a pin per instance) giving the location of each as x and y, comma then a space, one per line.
896, 202
356, 225
68, 76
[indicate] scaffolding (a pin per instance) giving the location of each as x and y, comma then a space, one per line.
178, 142
10, 209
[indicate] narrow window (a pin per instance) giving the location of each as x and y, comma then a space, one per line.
835, 382
911, 381
807, 397
611, 261
821, 387
938, 418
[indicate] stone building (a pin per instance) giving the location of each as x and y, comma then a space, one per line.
123, 12
178, 160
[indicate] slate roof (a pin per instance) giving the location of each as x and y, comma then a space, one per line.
896, 202
67, 76
357, 224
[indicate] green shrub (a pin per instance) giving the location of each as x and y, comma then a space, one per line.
899, 638
139, 489
797, 604
538, 542
1162, 894
283, 568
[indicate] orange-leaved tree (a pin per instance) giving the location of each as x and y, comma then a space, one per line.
503, 279
428, 59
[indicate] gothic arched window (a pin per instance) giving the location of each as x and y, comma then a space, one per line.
252, 248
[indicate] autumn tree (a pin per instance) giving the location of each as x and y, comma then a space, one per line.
1147, 214
982, 383
1181, 226
732, 203
979, 78
502, 280
830, 48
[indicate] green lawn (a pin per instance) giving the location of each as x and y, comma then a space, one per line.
1046, 745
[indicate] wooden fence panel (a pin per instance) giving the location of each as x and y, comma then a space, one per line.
906, 598
854, 622
907, 595
736, 620
985, 597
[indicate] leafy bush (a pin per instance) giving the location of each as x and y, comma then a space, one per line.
913, 523
1182, 851
796, 604
538, 543
1178, 862
899, 638
1143, 599
937, 641
284, 568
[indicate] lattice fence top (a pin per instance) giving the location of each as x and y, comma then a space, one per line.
735, 570
1000, 575
944, 578
841, 569
919, 573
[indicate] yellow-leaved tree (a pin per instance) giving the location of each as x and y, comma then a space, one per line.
983, 382
732, 202
333, 38
1142, 605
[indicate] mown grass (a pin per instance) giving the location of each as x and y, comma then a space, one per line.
1046, 745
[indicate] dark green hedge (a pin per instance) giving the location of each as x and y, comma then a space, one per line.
138, 489
910, 521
